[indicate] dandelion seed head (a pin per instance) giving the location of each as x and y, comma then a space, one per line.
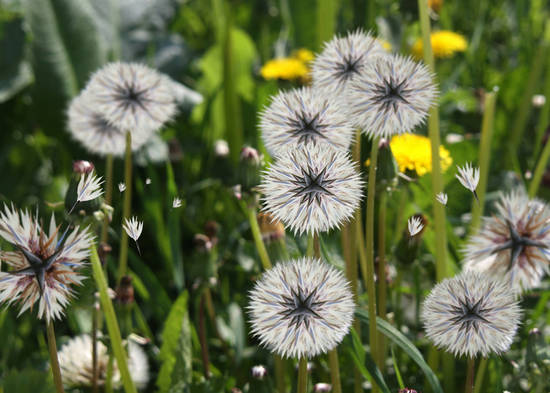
391, 96
471, 314
415, 225
45, 265
132, 96
342, 60
301, 308
312, 190
513, 244
302, 118
133, 227
468, 176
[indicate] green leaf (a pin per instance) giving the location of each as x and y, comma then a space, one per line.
176, 352
405, 344
236, 322
27, 381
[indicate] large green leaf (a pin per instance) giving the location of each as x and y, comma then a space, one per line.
66, 48
406, 345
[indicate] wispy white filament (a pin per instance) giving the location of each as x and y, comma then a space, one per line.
468, 176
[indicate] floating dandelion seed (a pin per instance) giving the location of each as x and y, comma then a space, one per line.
471, 314
301, 308
415, 225
176, 202
75, 361
95, 132
45, 264
514, 244
442, 198
304, 117
133, 228
121, 187
132, 96
89, 187
312, 190
468, 177
342, 60
391, 96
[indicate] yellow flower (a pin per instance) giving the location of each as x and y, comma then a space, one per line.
414, 152
444, 44
385, 44
284, 68
304, 55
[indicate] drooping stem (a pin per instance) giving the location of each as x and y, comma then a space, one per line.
302, 375
126, 208
382, 287
484, 156
203, 341
108, 195
54, 361
369, 241
257, 235
470, 375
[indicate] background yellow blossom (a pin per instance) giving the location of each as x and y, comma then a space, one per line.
289, 68
444, 44
414, 152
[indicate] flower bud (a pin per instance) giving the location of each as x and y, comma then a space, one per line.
82, 166
259, 372
125, 291
322, 387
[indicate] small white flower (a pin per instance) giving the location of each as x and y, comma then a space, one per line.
221, 148
468, 177
415, 225
89, 188
312, 190
322, 387
302, 118
442, 198
133, 228
538, 100
392, 96
471, 314
259, 372
176, 202
301, 308
121, 187
147, 181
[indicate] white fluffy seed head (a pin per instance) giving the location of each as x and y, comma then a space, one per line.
471, 314
312, 190
132, 96
302, 118
468, 176
95, 132
300, 308
513, 244
391, 96
342, 60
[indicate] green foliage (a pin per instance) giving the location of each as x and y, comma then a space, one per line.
27, 381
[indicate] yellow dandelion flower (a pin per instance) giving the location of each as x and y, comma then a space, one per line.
444, 44
304, 55
414, 152
284, 68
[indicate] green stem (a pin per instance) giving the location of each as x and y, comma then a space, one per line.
539, 170
203, 340
484, 159
327, 11
382, 287
469, 388
280, 365
257, 235
302, 375
95, 324
369, 241
108, 195
111, 322
334, 370
480, 374
54, 361
544, 116
126, 208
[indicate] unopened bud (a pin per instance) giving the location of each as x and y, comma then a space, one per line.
251, 156
322, 387
202, 243
125, 291
82, 166
99, 215
221, 148
103, 252
259, 372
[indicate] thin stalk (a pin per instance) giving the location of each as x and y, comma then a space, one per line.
544, 116
470, 376
302, 375
109, 375
327, 11
108, 195
334, 370
257, 235
111, 322
280, 365
539, 170
95, 323
480, 374
382, 287
54, 361
203, 341
126, 208
369, 241
484, 159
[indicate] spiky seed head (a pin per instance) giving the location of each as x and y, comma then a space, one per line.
468, 176
132, 96
45, 265
513, 244
312, 190
342, 60
75, 361
391, 96
88, 126
300, 308
302, 118
471, 314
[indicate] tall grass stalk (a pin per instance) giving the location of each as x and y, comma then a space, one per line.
302, 375
108, 195
327, 12
544, 116
54, 361
382, 287
484, 158
126, 208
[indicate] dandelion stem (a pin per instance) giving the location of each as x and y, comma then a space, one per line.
544, 115
126, 208
480, 374
470, 376
95, 323
203, 341
111, 322
108, 195
302, 375
280, 366
257, 235
484, 156
54, 361
382, 289
369, 240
